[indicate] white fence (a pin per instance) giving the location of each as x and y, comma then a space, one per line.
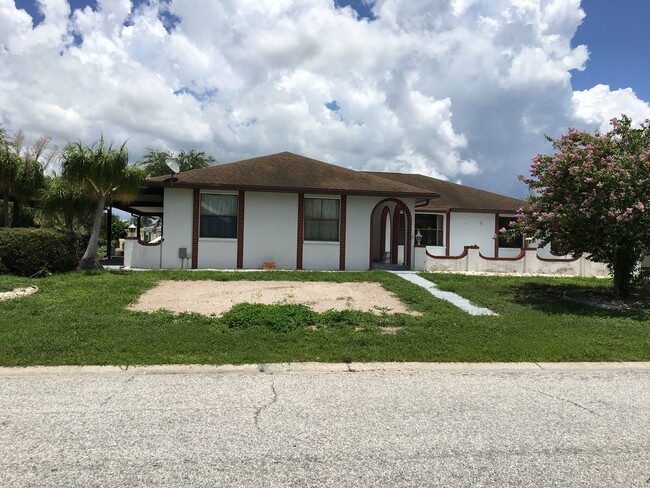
527, 262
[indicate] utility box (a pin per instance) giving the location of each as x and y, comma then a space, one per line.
182, 252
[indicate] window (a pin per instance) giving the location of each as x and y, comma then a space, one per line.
218, 215
516, 243
430, 226
321, 219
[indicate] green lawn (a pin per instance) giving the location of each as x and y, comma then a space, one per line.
80, 318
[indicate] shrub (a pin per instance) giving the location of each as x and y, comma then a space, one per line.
280, 318
33, 252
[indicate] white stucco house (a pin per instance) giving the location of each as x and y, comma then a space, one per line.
291, 212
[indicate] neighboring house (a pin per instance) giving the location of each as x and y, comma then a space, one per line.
291, 212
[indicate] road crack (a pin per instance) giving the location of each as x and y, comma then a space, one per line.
563, 400
259, 410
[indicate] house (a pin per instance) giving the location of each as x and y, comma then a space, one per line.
286, 209
291, 212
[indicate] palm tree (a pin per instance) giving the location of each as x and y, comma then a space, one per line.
22, 171
71, 199
28, 181
155, 162
8, 170
106, 174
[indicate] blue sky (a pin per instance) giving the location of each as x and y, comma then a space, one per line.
463, 90
616, 33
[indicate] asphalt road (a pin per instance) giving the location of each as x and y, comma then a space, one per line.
463, 427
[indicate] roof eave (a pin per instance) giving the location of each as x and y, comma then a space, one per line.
467, 210
285, 189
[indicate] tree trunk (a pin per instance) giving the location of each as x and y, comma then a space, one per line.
69, 221
89, 259
17, 216
5, 209
623, 264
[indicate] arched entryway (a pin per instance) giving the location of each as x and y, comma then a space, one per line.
392, 244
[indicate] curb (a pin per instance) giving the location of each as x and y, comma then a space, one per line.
276, 368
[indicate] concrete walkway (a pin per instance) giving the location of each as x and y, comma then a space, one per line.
462, 303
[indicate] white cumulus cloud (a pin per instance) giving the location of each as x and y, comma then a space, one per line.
598, 105
460, 89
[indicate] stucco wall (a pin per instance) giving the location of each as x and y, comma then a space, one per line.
217, 253
436, 250
320, 255
270, 229
358, 229
528, 263
357, 245
177, 226
420, 259
138, 256
471, 229
507, 252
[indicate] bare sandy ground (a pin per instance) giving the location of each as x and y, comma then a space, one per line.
18, 292
217, 297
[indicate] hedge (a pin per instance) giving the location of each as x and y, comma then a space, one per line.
33, 252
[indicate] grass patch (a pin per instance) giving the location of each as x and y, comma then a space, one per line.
10, 283
81, 318
276, 318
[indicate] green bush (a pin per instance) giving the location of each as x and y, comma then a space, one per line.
34, 252
279, 318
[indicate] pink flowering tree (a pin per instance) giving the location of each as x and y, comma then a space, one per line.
592, 196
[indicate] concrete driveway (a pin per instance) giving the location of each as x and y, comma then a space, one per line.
437, 425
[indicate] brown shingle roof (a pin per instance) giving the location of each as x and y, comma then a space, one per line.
288, 172
454, 196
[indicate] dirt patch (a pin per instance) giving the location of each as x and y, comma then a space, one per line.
18, 292
217, 297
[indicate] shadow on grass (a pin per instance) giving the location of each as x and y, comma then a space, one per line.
565, 298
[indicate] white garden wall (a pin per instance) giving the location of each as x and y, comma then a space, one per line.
138, 255
528, 262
